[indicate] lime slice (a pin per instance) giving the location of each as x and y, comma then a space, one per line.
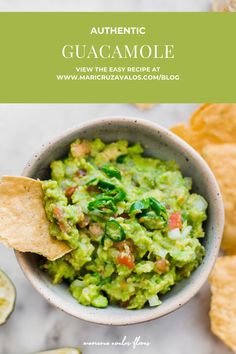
62, 351
7, 297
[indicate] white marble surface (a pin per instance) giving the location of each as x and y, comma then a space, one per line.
35, 325
105, 5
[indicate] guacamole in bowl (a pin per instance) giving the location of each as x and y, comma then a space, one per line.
132, 222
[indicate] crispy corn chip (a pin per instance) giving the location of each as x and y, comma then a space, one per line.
218, 120
222, 160
223, 305
224, 5
197, 139
212, 132
23, 222
219, 6
144, 106
210, 124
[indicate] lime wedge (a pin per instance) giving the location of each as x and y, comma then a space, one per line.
62, 351
7, 297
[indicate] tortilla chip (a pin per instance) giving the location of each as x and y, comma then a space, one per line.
144, 106
223, 305
218, 120
196, 139
210, 124
23, 222
224, 5
212, 132
222, 160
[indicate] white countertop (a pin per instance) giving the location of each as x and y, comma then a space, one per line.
35, 325
105, 5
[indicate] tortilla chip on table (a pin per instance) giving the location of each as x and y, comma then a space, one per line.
212, 132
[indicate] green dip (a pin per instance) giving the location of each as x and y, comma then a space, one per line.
131, 221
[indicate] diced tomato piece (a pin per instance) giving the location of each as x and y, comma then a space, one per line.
79, 150
59, 216
125, 215
124, 303
80, 173
161, 266
96, 229
57, 213
126, 259
69, 191
126, 245
175, 220
92, 189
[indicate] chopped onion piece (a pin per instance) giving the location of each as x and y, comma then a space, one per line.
186, 231
154, 301
174, 234
200, 204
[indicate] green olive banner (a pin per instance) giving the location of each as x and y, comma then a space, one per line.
117, 57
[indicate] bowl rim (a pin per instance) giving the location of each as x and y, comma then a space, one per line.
179, 299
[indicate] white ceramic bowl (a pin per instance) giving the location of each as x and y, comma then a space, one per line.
157, 142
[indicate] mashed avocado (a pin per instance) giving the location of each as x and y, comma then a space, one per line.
131, 221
